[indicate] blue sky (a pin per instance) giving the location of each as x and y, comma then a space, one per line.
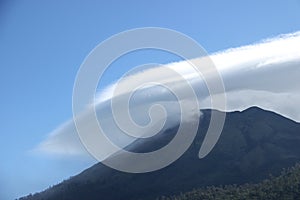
43, 43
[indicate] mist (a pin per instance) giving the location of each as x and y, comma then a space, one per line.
265, 74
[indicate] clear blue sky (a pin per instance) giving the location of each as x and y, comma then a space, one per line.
43, 43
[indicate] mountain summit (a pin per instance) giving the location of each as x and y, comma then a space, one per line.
254, 144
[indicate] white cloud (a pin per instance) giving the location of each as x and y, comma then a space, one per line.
62, 141
264, 74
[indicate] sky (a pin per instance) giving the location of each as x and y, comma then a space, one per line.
42, 45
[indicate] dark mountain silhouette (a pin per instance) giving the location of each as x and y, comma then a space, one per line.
254, 144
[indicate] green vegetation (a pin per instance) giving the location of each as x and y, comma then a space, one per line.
286, 186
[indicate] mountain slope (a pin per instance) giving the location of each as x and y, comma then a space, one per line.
254, 143
285, 186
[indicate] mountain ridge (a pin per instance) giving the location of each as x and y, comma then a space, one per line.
253, 144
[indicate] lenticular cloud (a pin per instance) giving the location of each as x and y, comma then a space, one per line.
264, 74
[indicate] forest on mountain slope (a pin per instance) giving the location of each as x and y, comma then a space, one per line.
285, 186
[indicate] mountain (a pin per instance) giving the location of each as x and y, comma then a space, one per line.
254, 144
